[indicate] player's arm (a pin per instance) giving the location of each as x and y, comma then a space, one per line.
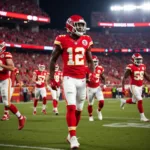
126, 75
89, 60
103, 78
55, 54
34, 77
9, 66
147, 76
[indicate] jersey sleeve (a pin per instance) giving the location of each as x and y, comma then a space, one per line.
8, 55
90, 41
129, 67
58, 40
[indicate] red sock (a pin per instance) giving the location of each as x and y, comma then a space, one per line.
71, 119
78, 117
13, 109
55, 103
100, 105
129, 101
44, 101
6, 110
140, 106
90, 110
35, 102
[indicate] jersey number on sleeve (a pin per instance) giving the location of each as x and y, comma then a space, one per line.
78, 59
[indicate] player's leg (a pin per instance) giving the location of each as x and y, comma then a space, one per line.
6, 115
37, 95
6, 98
70, 95
55, 102
43, 93
129, 100
90, 98
100, 98
138, 95
80, 99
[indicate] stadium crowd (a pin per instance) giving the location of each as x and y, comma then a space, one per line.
123, 17
19, 6
101, 40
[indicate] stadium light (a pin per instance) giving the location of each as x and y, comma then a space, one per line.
146, 6
130, 7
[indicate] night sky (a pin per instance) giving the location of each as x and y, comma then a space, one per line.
60, 10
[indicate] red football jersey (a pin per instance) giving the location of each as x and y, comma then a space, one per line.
13, 75
58, 76
98, 70
40, 76
73, 54
137, 74
4, 74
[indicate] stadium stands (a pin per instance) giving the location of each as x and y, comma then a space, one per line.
19, 6
101, 40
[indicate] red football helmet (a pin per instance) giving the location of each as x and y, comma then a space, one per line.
76, 25
95, 60
2, 46
56, 67
137, 59
41, 67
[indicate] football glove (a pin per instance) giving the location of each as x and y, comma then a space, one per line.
53, 84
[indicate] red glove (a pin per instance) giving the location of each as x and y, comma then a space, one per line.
104, 87
93, 77
53, 84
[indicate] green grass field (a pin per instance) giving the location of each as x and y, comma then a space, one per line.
119, 130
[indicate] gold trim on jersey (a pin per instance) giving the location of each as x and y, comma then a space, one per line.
58, 43
91, 43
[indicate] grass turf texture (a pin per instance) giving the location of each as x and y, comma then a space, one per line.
51, 131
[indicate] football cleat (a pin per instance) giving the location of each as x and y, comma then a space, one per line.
55, 110
5, 117
44, 112
122, 103
100, 117
74, 144
91, 118
22, 121
68, 138
144, 119
34, 112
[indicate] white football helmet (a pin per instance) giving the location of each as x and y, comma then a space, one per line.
41, 67
95, 60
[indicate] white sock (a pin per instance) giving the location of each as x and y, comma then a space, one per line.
34, 108
142, 115
43, 107
55, 109
18, 114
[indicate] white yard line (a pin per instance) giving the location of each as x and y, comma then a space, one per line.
28, 147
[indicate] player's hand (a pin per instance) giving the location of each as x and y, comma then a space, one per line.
38, 82
93, 77
104, 87
53, 84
